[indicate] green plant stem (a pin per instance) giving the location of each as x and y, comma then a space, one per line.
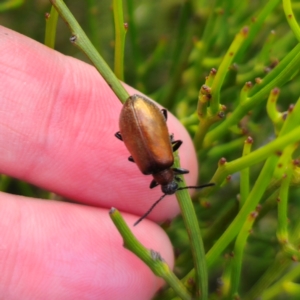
255, 194
169, 90
51, 25
292, 119
201, 132
292, 289
254, 157
4, 182
245, 174
282, 229
207, 37
133, 33
213, 232
276, 288
196, 243
264, 55
274, 271
92, 10
10, 4
151, 258
258, 20
275, 116
253, 199
236, 265
80, 39
227, 148
120, 33
280, 75
250, 204
223, 69
287, 6
154, 59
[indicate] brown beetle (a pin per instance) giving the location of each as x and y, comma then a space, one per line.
144, 131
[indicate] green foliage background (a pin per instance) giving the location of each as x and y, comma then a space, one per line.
171, 46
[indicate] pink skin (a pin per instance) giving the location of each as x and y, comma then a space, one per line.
57, 123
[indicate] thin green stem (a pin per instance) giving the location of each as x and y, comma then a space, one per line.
51, 25
255, 194
258, 20
224, 67
120, 33
133, 39
150, 257
201, 132
4, 182
280, 75
170, 89
80, 39
276, 288
253, 199
273, 272
282, 229
287, 6
275, 116
250, 204
227, 148
245, 174
10, 4
92, 18
154, 59
196, 243
236, 265
255, 157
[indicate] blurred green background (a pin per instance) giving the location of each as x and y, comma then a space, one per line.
171, 46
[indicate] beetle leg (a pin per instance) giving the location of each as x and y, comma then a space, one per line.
153, 184
178, 179
130, 158
165, 113
118, 136
180, 171
176, 145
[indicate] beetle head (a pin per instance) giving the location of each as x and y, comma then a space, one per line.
170, 188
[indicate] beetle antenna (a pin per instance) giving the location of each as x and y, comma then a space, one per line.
163, 196
149, 211
196, 187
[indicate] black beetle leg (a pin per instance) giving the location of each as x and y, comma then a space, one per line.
180, 171
178, 179
153, 184
172, 138
118, 136
176, 145
130, 158
165, 113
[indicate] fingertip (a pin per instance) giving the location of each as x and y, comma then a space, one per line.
58, 133
56, 250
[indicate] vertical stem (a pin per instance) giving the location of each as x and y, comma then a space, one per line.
80, 39
193, 229
196, 243
120, 32
51, 25
287, 6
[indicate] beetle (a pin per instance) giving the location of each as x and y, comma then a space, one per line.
144, 131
